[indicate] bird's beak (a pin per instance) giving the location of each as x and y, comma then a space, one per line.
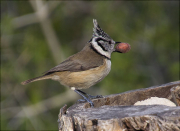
117, 42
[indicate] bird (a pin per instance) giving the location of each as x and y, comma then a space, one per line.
85, 68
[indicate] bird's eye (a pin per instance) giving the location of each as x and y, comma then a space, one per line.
109, 42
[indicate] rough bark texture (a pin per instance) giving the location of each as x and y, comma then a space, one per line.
117, 113
175, 92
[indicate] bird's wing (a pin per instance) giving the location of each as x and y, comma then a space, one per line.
75, 64
67, 65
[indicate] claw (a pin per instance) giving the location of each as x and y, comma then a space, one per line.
91, 103
81, 100
85, 98
94, 97
81, 93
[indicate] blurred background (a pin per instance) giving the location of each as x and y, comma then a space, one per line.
38, 35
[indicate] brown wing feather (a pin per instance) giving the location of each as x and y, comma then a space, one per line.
83, 60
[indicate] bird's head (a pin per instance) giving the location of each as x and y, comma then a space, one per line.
101, 41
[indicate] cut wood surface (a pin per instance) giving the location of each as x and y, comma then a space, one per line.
117, 112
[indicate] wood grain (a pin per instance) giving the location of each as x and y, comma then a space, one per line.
117, 113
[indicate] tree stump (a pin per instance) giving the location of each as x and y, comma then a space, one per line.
117, 112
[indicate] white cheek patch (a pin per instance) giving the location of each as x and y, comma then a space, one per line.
99, 49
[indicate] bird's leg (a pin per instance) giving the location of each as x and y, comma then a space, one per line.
81, 94
90, 96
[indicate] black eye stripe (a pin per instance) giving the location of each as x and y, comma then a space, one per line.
98, 39
101, 46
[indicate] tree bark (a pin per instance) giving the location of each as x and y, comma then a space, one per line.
117, 112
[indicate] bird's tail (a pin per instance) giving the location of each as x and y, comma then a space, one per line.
35, 79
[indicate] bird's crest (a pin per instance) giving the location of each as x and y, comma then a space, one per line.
98, 32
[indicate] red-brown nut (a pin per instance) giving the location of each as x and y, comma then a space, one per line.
122, 47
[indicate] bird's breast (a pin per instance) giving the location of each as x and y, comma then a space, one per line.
84, 79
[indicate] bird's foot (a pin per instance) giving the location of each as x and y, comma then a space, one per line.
81, 100
90, 97
94, 97
86, 100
